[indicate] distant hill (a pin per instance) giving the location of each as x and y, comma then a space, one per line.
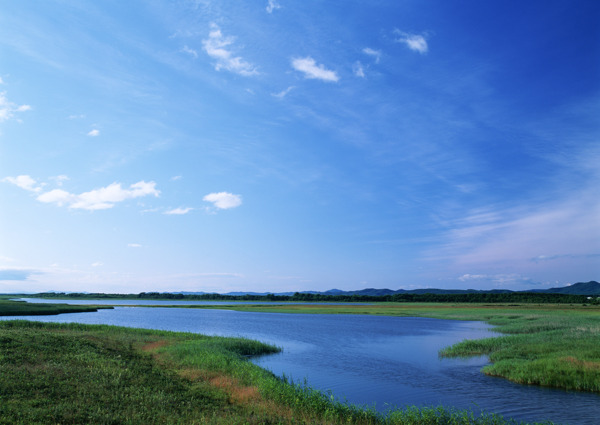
581, 288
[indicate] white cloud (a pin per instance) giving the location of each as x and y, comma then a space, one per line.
93, 133
24, 182
97, 264
498, 280
467, 276
272, 5
175, 178
358, 70
8, 109
57, 196
414, 42
311, 70
527, 237
283, 93
60, 179
134, 245
224, 200
539, 258
190, 52
178, 211
216, 47
99, 199
372, 52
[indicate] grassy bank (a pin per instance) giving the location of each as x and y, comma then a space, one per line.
550, 345
72, 373
21, 308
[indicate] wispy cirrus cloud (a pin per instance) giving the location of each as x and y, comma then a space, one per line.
308, 66
568, 229
272, 5
59, 180
99, 199
178, 211
94, 133
217, 46
542, 257
358, 69
193, 53
283, 93
415, 42
224, 200
498, 280
376, 54
8, 108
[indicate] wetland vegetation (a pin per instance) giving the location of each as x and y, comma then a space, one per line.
550, 345
21, 308
73, 373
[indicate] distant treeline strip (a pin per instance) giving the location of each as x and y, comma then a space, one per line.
513, 297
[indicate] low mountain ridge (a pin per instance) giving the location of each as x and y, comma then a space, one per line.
590, 288
581, 288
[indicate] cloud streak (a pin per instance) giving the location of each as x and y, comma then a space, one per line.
358, 70
272, 5
283, 93
414, 42
99, 199
178, 211
373, 53
311, 70
8, 109
567, 229
217, 47
190, 52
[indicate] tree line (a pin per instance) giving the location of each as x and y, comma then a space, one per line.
477, 297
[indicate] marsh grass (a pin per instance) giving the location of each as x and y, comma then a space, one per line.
22, 308
74, 374
560, 349
549, 345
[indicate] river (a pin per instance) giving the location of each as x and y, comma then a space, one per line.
368, 360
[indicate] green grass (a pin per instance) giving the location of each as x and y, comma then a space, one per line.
73, 374
550, 345
22, 308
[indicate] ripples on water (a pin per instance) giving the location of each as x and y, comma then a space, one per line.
386, 361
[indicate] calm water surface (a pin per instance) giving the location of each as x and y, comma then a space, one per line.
386, 361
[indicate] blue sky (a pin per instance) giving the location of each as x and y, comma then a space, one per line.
271, 145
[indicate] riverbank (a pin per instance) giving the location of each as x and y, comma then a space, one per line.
549, 345
21, 308
72, 373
